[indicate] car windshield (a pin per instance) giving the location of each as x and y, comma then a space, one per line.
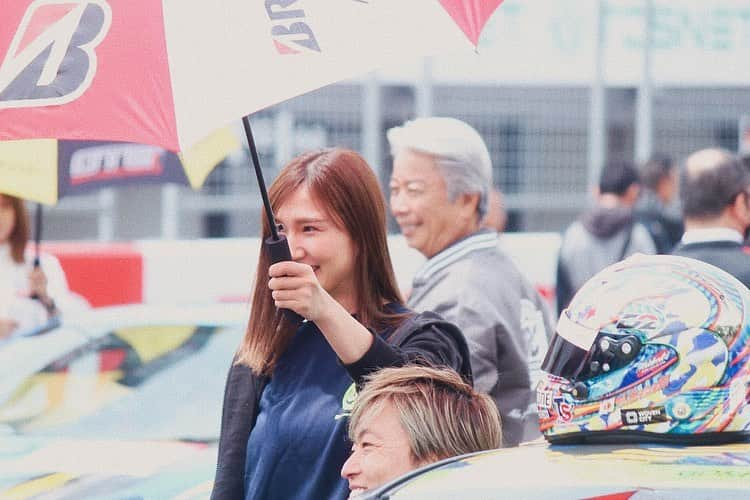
143, 382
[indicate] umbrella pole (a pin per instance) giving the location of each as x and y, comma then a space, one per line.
259, 175
276, 245
37, 233
37, 239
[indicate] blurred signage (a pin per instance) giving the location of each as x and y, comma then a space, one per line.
694, 42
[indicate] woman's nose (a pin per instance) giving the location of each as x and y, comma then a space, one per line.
295, 249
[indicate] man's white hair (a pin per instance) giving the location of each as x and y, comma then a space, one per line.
459, 151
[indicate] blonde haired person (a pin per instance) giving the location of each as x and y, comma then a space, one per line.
411, 416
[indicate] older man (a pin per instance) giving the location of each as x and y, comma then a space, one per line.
439, 187
715, 195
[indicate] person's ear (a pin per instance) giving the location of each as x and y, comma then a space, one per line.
740, 208
469, 203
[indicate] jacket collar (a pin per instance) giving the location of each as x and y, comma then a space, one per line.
480, 240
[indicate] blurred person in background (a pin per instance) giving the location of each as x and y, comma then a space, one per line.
604, 234
659, 183
715, 194
282, 431
496, 217
408, 417
438, 195
746, 162
20, 279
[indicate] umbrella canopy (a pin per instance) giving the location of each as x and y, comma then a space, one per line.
166, 72
45, 170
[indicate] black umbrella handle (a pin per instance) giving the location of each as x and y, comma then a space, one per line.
37, 240
37, 233
278, 251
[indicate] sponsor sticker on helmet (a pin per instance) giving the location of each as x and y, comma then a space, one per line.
607, 406
641, 416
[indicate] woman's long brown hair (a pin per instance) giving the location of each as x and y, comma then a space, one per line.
345, 186
19, 237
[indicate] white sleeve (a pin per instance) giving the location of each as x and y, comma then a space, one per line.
66, 300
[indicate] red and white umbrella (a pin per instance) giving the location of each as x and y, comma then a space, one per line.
168, 72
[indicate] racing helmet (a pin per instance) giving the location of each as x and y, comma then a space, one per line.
651, 349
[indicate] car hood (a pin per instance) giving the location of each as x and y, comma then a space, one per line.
72, 468
537, 470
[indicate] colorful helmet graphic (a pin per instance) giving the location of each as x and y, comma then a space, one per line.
651, 349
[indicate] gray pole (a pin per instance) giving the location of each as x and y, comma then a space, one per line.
283, 129
644, 105
597, 146
105, 222
424, 89
372, 122
170, 206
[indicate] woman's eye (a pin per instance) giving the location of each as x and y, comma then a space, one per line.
309, 229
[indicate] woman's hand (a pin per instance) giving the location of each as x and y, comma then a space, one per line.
38, 284
7, 326
38, 289
294, 286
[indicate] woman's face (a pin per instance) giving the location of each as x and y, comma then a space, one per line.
315, 239
7, 218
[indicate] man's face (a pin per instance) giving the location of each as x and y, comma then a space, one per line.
381, 452
419, 201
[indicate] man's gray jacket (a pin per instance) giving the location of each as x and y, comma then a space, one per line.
475, 285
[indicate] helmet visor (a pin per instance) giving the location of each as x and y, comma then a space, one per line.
569, 348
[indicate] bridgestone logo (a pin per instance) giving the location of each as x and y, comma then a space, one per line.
52, 36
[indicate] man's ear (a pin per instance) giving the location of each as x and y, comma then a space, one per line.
469, 203
740, 208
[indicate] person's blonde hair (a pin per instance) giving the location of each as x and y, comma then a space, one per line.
442, 414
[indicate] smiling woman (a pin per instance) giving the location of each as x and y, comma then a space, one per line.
282, 432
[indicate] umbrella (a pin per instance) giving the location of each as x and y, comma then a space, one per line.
166, 72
